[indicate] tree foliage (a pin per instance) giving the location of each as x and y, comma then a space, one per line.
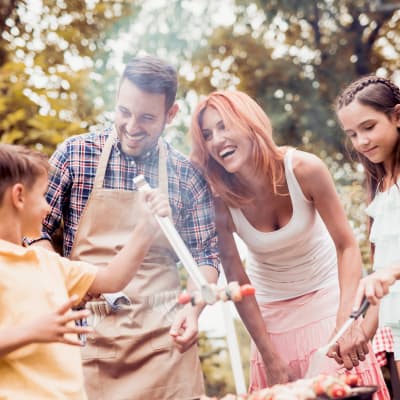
293, 57
48, 90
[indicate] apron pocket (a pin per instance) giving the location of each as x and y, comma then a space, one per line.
99, 348
130, 348
161, 340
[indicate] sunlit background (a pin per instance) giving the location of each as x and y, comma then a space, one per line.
60, 61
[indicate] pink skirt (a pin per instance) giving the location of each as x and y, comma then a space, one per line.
297, 328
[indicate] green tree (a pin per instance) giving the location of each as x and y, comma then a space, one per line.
48, 53
293, 56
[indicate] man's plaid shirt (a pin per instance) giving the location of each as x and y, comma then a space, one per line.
74, 166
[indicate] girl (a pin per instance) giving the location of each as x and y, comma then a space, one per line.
283, 204
369, 112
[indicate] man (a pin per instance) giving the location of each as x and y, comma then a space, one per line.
145, 348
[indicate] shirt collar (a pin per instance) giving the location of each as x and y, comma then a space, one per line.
12, 248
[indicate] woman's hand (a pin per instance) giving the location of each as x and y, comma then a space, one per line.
351, 348
277, 372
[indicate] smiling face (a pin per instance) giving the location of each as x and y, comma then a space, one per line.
371, 132
231, 149
140, 118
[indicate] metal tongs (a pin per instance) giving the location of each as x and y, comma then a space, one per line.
179, 246
318, 357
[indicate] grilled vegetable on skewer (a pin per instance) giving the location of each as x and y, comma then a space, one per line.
233, 291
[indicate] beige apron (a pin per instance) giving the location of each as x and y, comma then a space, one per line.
131, 355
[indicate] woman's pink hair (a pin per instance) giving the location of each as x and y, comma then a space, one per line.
242, 114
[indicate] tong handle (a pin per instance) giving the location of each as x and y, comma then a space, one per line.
364, 305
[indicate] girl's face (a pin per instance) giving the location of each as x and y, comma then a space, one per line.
371, 132
36, 207
231, 149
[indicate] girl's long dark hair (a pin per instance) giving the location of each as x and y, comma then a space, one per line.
382, 95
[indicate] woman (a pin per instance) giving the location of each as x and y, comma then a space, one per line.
303, 258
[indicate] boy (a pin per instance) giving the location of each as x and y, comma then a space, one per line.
39, 353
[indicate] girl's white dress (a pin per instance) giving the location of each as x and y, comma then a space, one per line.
385, 234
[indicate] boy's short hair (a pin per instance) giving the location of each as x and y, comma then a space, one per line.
20, 164
152, 75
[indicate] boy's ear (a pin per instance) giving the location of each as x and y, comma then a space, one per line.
18, 194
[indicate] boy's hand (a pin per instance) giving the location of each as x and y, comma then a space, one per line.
157, 204
57, 327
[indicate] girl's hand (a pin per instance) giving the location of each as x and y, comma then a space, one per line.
375, 286
57, 326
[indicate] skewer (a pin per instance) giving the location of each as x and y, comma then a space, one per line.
207, 293
233, 291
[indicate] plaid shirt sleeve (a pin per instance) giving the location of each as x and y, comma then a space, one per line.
198, 227
59, 184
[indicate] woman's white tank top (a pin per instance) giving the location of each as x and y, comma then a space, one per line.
294, 260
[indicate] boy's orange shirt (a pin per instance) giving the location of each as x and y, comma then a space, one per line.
34, 282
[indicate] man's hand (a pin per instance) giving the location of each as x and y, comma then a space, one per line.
184, 330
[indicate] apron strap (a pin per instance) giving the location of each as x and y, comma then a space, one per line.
105, 155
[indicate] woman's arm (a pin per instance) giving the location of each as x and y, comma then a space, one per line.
317, 185
277, 370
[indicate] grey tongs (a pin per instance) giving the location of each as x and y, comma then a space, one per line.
353, 316
318, 358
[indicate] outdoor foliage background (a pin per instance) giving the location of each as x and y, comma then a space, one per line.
59, 63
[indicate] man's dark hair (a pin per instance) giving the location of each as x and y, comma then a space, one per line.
152, 75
